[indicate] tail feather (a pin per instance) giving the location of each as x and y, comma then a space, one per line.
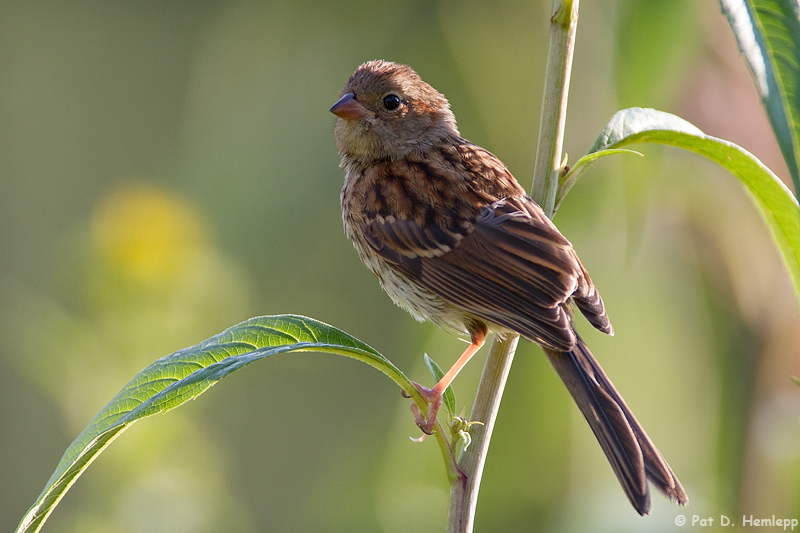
632, 454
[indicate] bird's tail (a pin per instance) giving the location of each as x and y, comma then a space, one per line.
632, 454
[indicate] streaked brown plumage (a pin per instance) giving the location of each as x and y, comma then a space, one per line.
454, 239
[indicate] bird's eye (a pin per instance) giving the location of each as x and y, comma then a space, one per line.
391, 102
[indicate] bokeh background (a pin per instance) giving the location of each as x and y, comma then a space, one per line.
167, 170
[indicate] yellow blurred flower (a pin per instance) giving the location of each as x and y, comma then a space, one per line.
145, 232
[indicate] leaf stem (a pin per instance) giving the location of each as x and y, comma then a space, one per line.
547, 169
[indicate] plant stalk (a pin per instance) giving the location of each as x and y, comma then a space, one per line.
464, 493
547, 170
548, 166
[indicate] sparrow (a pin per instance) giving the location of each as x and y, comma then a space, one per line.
455, 240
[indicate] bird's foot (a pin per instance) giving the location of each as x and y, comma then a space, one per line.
434, 400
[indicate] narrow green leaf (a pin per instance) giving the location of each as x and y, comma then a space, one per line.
768, 34
776, 202
184, 375
635, 120
449, 397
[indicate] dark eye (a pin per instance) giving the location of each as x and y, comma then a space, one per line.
391, 102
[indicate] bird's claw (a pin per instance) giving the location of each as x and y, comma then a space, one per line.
434, 402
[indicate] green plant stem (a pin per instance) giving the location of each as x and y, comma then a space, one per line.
464, 493
548, 166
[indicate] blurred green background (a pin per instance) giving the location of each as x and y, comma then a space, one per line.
167, 170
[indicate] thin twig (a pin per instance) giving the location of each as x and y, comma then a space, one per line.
464, 492
554, 105
464, 496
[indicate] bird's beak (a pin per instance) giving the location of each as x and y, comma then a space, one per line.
347, 107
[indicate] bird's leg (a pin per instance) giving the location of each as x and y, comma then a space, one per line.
434, 396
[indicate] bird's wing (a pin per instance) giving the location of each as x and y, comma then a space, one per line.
510, 267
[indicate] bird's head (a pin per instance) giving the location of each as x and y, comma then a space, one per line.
386, 112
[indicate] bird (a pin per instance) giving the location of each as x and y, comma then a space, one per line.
455, 240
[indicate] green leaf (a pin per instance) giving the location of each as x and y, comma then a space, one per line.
773, 198
768, 34
449, 397
175, 379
